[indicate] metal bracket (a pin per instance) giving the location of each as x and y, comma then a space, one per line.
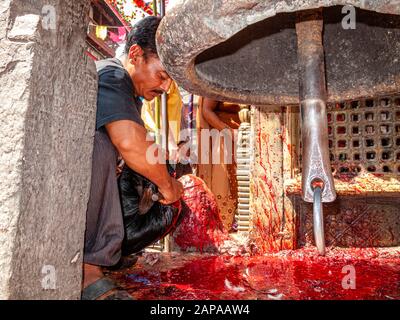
314, 124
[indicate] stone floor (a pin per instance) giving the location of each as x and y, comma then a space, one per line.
365, 273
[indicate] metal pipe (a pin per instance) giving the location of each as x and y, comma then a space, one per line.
165, 123
191, 127
157, 111
155, 8
314, 123
318, 221
162, 8
157, 116
165, 127
190, 112
317, 179
164, 102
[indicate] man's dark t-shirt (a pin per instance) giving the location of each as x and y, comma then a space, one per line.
115, 98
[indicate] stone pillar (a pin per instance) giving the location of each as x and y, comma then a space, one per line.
272, 225
47, 115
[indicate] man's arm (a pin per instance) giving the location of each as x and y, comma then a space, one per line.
130, 140
210, 116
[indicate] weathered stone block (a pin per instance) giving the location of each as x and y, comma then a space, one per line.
47, 115
269, 219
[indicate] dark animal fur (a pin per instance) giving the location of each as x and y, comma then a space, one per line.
145, 221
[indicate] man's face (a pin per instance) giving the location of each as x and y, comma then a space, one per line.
150, 78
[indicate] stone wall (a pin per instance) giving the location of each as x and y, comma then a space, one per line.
47, 113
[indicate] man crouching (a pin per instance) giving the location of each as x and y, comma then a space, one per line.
120, 130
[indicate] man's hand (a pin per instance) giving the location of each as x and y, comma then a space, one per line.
171, 192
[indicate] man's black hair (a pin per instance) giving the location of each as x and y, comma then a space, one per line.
143, 34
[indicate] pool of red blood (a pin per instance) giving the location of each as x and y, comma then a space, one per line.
297, 274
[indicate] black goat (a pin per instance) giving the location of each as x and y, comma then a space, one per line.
145, 221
